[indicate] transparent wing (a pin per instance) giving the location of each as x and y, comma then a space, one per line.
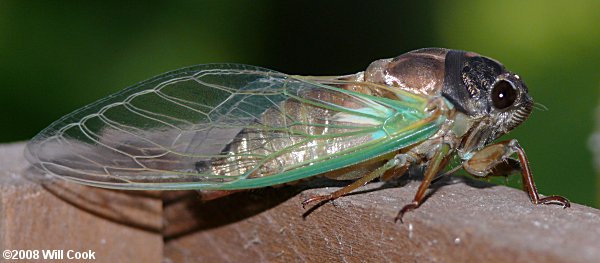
226, 126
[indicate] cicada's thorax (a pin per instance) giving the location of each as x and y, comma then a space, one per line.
419, 72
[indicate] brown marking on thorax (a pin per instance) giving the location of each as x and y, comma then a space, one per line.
420, 72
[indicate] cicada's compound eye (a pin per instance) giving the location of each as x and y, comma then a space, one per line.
504, 94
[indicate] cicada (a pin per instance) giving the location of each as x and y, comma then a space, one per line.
228, 127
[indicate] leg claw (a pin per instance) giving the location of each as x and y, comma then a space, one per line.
406, 208
555, 200
315, 199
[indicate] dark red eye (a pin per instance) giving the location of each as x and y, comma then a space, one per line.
504, 94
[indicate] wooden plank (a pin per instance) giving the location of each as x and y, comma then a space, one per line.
117, 226
463, 221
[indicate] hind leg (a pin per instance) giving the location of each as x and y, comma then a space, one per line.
401, 162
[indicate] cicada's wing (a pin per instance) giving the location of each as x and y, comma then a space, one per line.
225, 126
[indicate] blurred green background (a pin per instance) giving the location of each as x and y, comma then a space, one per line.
58, 56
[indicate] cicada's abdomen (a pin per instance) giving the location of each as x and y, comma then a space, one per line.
295, 133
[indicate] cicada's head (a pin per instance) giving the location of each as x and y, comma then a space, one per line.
483, 89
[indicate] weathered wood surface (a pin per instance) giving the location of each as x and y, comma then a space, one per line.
462, 221
117, 226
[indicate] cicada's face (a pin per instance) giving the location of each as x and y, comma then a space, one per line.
483, 89
510, 102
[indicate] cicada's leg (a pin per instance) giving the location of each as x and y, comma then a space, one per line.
401, 162
495, 160
436, 163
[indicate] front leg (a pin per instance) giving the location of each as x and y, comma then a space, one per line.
494, 159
